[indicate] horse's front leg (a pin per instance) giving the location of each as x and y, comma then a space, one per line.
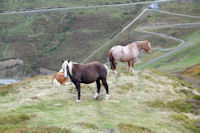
133, 63
78, 85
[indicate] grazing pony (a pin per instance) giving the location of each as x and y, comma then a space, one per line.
127, 53
86, 73
59, 79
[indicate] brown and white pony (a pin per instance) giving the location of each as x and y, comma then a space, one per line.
127, 53
86, 73
59, 79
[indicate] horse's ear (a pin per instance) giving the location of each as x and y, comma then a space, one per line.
147, 41
62, 61
69, 60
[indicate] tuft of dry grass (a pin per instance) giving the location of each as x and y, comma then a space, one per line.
129, 128
87, 125
37, 130
15, 119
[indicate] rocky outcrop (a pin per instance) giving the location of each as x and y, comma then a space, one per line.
44, 71
13, 67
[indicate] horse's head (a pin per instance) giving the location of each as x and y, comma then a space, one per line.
66, 67
148, 47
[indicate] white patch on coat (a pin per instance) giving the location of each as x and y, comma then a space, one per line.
55, 82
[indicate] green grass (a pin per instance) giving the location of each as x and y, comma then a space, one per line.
192, 124
180, 60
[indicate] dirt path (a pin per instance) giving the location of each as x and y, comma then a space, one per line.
80, 7
166, 12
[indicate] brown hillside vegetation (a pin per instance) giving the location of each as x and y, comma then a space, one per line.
193, 71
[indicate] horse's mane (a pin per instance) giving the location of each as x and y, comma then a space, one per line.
140, 42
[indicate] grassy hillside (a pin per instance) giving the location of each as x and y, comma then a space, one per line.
145, 102
18, 5
46, 38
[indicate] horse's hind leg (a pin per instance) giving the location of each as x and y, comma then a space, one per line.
96, 96
115, 66
129, 66
106, 87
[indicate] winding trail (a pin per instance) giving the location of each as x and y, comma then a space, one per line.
80, 7
174, 49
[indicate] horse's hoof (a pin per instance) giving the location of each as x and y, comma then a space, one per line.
96, 96
78, 101
107, 97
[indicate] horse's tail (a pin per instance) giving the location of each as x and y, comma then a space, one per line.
111, 60
106, 69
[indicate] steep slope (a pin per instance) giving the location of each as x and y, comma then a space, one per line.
146, 101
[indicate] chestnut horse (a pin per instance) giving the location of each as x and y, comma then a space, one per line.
86, 73
127, 53
59, 79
